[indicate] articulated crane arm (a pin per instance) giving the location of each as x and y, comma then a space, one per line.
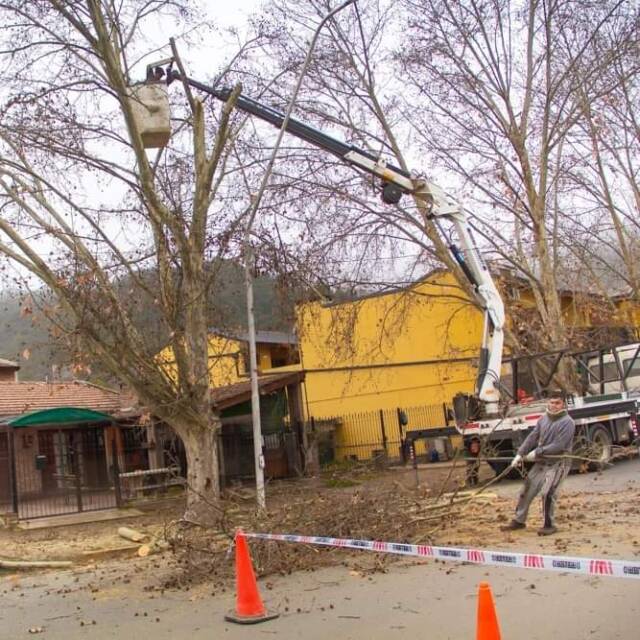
395, 183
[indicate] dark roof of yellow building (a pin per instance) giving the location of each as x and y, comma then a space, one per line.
240, 392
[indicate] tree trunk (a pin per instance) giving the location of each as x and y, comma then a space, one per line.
201, 447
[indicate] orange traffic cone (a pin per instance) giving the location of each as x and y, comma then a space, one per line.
488, 628
249, 607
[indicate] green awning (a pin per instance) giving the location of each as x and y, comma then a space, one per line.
59, 415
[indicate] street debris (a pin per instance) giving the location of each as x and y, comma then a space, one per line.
362, 504
155, 546
132, 534
35, 564
357, 502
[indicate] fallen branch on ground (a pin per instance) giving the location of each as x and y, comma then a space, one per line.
35, 564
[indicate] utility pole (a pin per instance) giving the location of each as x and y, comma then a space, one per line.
248, 263
258, 455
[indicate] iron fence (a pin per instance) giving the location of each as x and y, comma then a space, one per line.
60, 471
373, 435
53, 471
281, 451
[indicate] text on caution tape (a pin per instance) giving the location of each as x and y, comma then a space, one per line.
579, 565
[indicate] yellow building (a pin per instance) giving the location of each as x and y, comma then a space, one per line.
371, 362
229, 355
592, 320
280, 400
379, 365
417, 346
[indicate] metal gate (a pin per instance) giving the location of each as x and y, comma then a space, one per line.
61, 471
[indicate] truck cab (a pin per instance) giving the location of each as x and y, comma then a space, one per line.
615, 371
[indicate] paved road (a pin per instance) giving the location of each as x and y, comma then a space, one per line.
625, 473
426, 600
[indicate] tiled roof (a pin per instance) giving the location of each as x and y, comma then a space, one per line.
234, 394
17, 398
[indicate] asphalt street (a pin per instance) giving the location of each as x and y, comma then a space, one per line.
411, 600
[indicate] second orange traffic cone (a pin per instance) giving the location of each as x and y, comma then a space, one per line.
249, 606
488, 628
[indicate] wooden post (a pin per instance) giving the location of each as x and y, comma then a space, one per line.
116, 474
384, 433
154, 446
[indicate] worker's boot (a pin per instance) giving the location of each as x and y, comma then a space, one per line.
514, 525
547, 530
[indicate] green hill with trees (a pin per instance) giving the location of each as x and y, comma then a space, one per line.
27, 337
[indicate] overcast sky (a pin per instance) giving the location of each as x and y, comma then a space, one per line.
232, 13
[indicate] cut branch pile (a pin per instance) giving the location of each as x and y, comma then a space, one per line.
385, 511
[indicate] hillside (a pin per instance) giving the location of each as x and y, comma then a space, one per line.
26, 339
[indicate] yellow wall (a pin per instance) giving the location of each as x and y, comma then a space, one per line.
411, 350
389, 351
226, 360
628, 311
226, 364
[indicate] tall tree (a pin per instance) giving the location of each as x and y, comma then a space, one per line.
319, 204
605, 156
498, 104
86, 208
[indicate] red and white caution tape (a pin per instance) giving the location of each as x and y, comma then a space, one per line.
568, 564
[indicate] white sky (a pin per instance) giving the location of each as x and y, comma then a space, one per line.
232, 15
202, 60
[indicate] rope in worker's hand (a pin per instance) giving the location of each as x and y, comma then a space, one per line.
520, 468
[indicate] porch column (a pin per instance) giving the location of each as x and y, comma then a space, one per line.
294, 396
155, 450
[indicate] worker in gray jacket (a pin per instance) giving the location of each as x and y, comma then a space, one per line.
548, 441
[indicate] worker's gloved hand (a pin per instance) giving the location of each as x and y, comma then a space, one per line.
531, 456
516, 461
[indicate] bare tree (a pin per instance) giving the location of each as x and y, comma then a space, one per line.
497, 105
319, 205
605, 160
102, 224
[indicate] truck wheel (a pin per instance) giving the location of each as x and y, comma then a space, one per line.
599, 447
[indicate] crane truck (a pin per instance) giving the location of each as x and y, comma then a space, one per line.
481, 417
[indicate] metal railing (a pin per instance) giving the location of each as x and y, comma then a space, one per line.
371, 435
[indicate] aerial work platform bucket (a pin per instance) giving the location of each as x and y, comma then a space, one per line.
150, 104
